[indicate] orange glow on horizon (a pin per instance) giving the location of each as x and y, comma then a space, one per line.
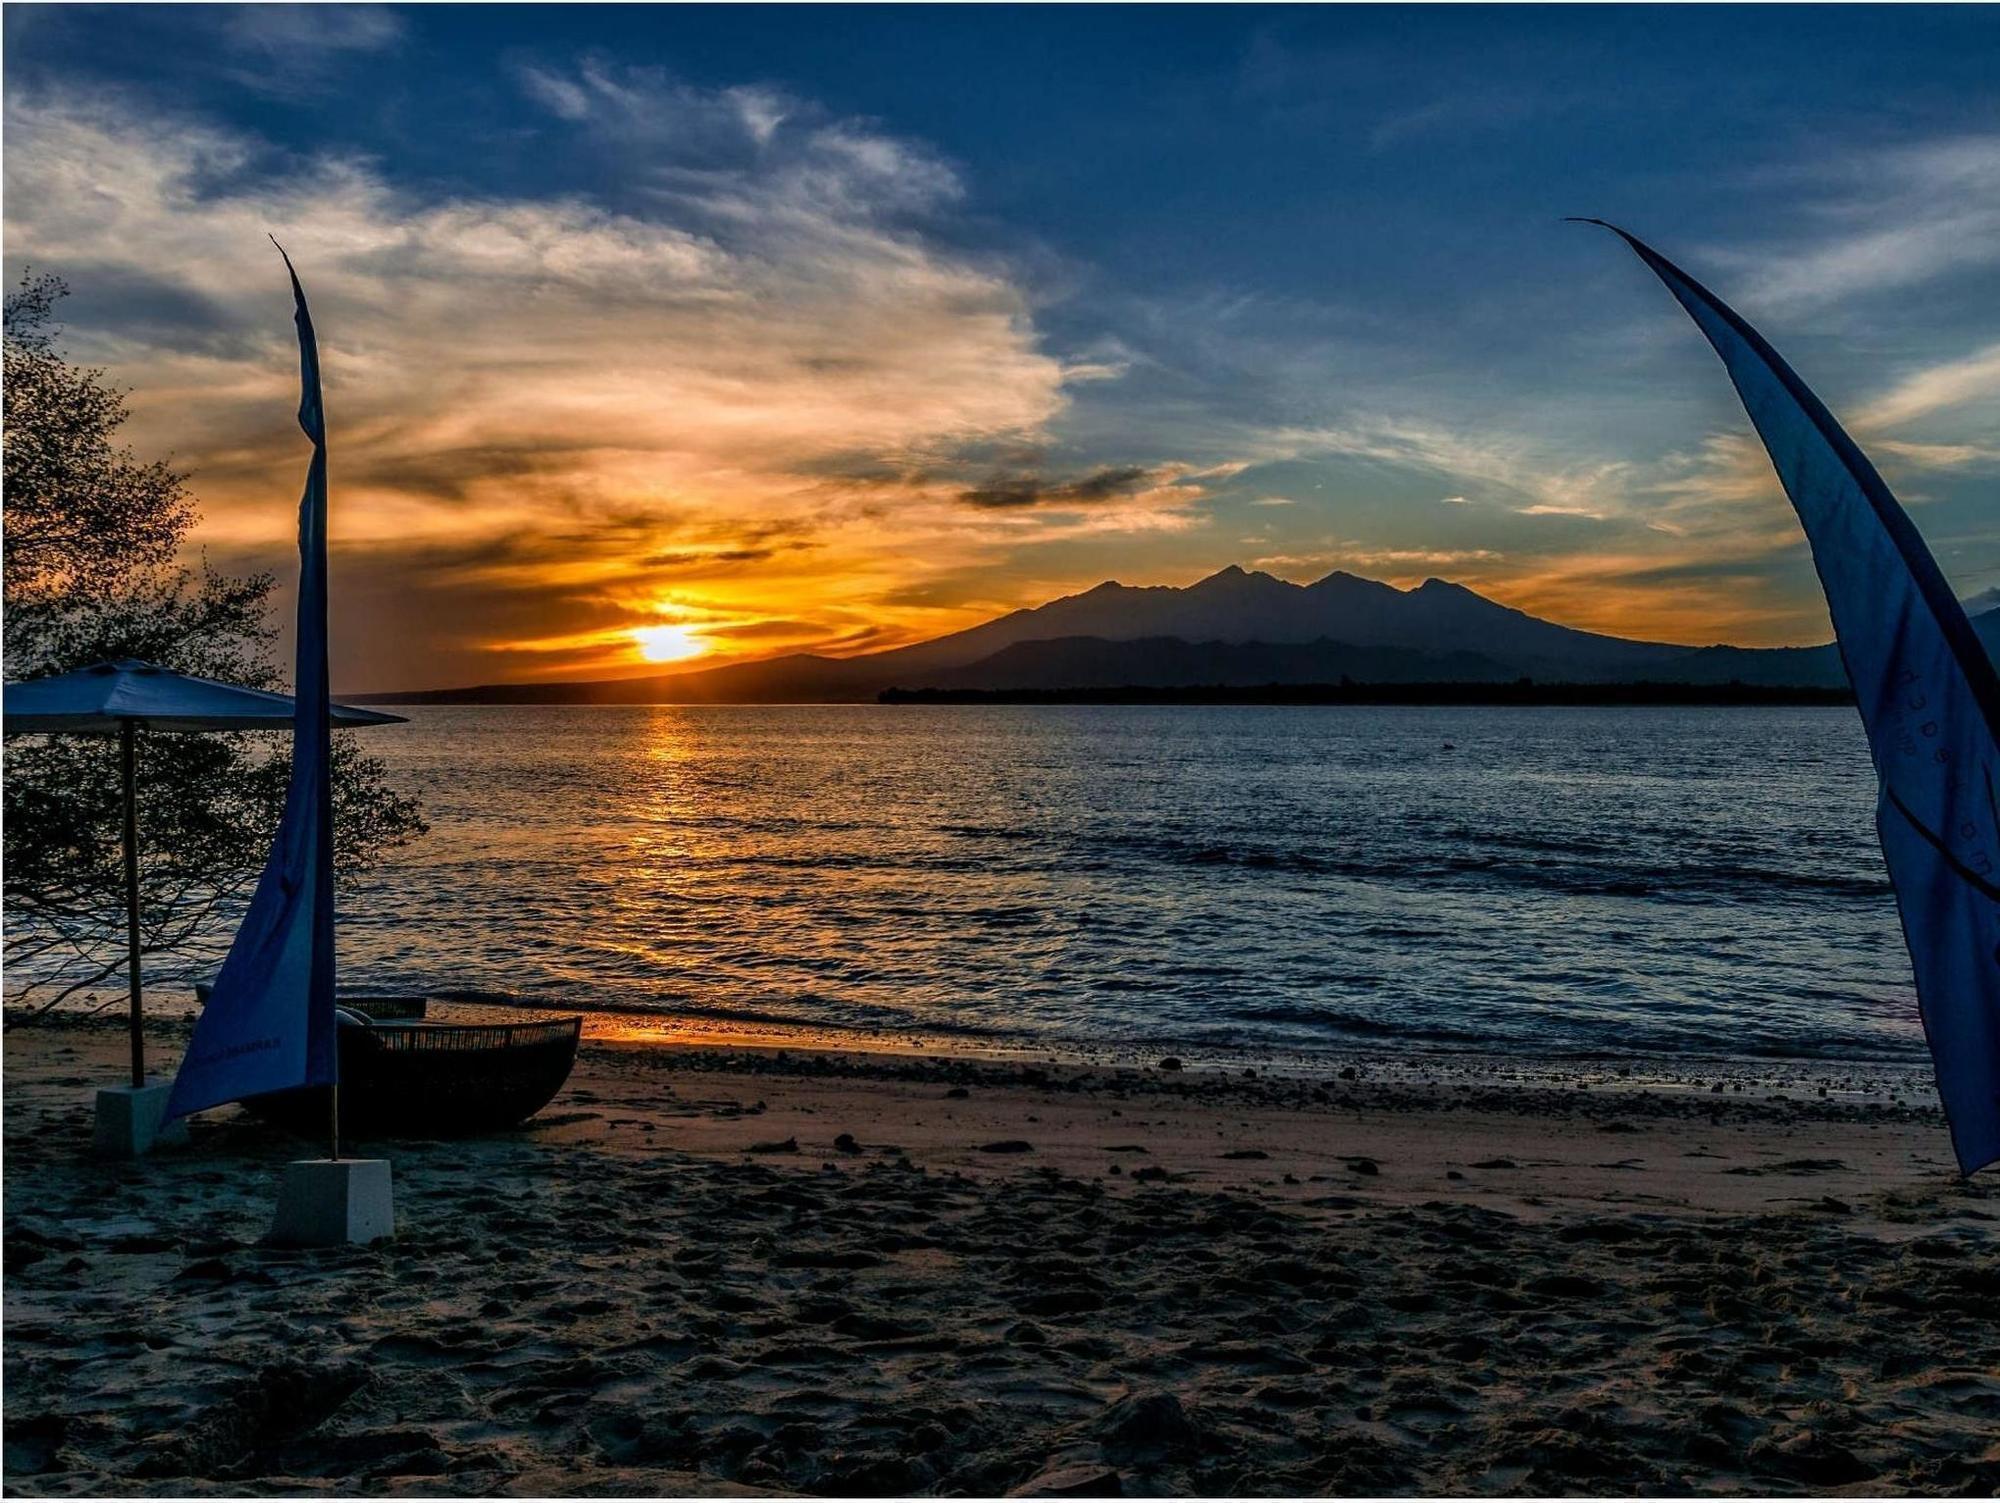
765, 615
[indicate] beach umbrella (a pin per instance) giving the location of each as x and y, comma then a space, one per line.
122, 698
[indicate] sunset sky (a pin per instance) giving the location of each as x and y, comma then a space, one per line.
716, 333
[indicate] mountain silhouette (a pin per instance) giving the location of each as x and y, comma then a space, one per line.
1236, 627
1170, 662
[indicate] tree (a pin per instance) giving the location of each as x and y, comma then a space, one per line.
93, 538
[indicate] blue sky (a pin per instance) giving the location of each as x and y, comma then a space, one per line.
818, 328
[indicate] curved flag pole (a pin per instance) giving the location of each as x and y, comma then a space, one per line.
1929, 698
269, 1024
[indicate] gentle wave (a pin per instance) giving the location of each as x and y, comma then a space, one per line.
1568, 881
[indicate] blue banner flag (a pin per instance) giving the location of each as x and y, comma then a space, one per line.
269, 1024
1929, 698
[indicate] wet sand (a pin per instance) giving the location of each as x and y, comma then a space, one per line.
708, 1270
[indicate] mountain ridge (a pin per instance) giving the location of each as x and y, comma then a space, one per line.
1247, 626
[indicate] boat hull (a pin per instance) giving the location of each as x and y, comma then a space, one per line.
434, 1080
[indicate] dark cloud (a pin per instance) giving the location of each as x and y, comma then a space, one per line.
1753, 577
158, 311
455, 474
696, 558
751, 631
1006, 492
860, 637
865, 470
387, 598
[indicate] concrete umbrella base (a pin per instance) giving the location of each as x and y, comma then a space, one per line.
329, 1202
132, 1121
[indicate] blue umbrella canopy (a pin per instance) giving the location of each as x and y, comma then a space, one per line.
103, 699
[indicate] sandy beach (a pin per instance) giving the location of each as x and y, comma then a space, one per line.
720, 1270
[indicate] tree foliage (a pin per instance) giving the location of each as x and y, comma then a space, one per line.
83, 515
93, 538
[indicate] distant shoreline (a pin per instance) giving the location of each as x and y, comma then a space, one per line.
1524, 692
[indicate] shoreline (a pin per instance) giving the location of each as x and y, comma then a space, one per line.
1908, 1078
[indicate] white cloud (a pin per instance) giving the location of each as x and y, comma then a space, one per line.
1550, 509
283, 30
290, 50
1887, 220
1937, 456
717, 147
764, 331
1936, 388
1537, 474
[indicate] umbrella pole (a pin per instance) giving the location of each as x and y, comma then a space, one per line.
128, 755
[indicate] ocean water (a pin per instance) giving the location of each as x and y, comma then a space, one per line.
1552, 882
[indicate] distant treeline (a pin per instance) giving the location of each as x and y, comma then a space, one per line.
1519, 692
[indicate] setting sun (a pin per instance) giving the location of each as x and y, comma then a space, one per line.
666, 644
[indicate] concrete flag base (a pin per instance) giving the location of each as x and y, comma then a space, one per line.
132, 1121
329, 1202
